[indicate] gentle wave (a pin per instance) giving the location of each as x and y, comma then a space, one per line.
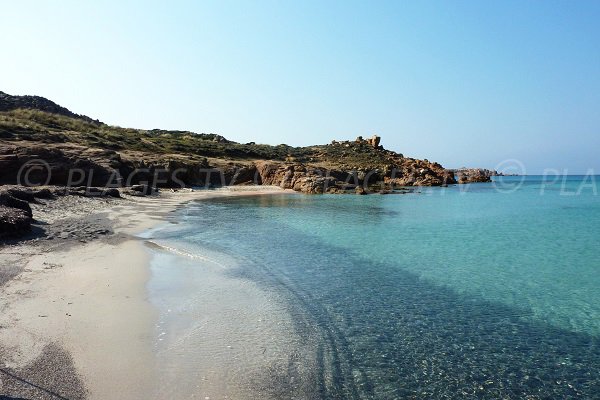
183, 253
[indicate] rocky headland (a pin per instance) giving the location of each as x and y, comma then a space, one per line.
33, 128
43, 143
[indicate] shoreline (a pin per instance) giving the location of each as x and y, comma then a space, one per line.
86, 298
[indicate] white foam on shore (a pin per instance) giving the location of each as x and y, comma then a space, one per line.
184, 253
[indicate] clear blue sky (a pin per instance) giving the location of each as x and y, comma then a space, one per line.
460, 82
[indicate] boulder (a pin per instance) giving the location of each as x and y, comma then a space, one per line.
111, 192
14, 222
29, 194
12, 202
374, 141
43, 193
93, 191
360, 190
24, 194
140, 190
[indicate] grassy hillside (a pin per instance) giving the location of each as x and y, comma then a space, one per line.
45, 128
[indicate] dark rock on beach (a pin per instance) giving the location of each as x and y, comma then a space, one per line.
13, 222
24, 194
28, 194
7, 200
95, 191
17, 214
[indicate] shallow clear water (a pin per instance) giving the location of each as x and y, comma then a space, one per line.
479, 291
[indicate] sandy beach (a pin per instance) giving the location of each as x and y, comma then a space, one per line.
75, 318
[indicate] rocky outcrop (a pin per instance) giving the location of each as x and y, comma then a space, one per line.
298, 177
9, 201
373, 141
30, 194
473, 175
76, 166
13, 222
16, 217
91, 191
35, 165
413, 172
307, 179
15, 212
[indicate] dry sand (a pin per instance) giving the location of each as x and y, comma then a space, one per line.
75, 320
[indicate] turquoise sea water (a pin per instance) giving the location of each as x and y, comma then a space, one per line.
479, 291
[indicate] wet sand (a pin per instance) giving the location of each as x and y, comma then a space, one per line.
75, 317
